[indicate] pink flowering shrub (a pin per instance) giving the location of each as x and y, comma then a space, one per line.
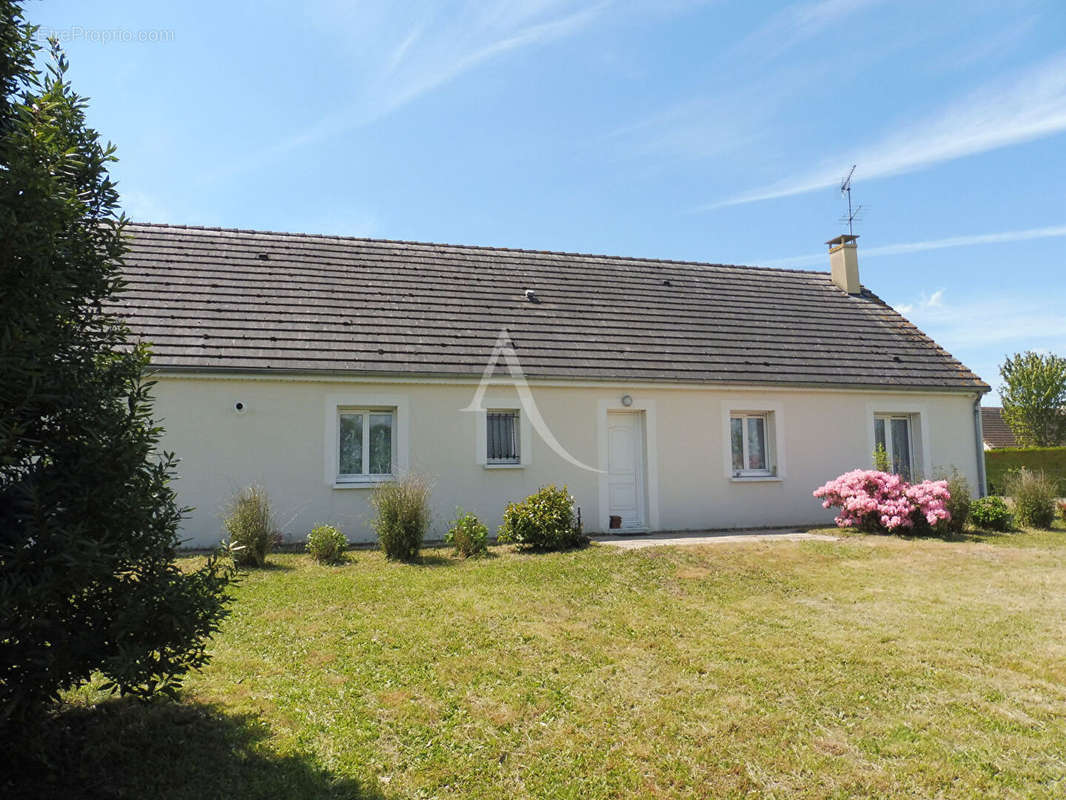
880, 501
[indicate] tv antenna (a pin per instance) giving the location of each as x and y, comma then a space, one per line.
853, 216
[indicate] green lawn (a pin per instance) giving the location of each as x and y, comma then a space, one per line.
872, 666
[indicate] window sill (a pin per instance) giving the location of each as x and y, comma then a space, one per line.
755, 479
370, 483
504, 466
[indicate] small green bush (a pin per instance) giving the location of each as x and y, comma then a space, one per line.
250, 524
991, 514
326, 544
468, 535
958, 504
543, 521
1033, 494
881, 460
402, 509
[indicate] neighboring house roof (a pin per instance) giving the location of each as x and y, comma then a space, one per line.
212, 299
994, 428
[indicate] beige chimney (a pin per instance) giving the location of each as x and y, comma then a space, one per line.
844, 263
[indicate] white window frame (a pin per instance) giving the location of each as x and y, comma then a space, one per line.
921, 447
746, 417
362, 477
772, 411
888, 419
367, 403
515, 461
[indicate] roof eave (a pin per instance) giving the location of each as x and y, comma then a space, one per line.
980, 389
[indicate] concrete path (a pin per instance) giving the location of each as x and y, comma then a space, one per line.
637, 541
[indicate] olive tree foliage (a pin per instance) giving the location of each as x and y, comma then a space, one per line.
88, 520
1034, 398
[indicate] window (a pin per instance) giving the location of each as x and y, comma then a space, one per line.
749, 435
366, 444
502, 437
893, 432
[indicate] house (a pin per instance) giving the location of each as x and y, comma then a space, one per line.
995, 430
997, 433
666, 395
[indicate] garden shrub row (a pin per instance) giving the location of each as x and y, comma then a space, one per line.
543, 521
876, 501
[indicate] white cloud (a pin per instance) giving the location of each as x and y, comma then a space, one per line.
461, 42
1001, 323
1030, 106
795, 24
404, 51
980, 332
712, 126
814, 259
736, 109
927, 301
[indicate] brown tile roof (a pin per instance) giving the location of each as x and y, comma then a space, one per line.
215, 299
996, 431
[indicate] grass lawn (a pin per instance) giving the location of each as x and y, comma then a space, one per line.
872, 666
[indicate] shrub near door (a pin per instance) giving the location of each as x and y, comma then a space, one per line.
543, 521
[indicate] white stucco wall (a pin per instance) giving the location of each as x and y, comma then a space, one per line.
281, 442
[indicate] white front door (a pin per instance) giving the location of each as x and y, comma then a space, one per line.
625, 468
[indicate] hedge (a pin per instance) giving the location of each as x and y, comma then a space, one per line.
1050, 460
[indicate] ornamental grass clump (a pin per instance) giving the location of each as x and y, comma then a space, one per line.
250, 524
1033, 494
880, 502
402, 509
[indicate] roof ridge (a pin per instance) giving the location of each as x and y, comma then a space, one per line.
490, 248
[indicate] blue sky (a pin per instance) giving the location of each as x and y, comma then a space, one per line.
713, 131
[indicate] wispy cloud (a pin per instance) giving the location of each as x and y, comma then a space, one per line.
796, 24
706, 127
1030, 106
737, 107
967, 52
981, 331
488, 30
1049, 232
1007, 321
410, 50
926, 301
